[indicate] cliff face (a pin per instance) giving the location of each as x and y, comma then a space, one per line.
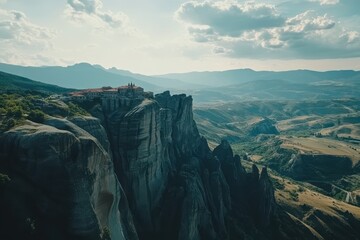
141, 172
140, 146
178, 188
64, 182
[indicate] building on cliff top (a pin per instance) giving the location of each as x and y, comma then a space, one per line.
112, 98
130, 91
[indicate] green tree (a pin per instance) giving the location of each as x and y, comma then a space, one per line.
10, 123
2, 111
15, 112
36, 116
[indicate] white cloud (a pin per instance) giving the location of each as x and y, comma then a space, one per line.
16, 28
307, 22
326, 2
21, 41
266, 33
91, 11
351, 37
229, 18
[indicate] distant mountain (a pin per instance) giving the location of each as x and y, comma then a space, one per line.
206, 87
168, 83
82, 75
234, 77
279, 90
9, 82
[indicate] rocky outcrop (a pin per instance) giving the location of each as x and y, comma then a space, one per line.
93, 126
266, 200
230, 165
318, 166
198, 188
251, 193
265, 126
78, 192
142, 172
140, 142
185, 135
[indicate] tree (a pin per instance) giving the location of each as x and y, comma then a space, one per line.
37, 116
10, 123
15, 112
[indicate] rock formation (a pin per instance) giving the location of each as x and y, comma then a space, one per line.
66, 181
265, 126
141, 172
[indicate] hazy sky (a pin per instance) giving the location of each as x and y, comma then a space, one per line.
161, 36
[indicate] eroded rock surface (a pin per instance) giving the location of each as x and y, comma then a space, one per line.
79, 191
142, 172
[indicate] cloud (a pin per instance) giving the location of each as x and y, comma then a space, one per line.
220, 50
326, 2
13, 56
91, 11
15, 28
229, 18
256, 30
21, 41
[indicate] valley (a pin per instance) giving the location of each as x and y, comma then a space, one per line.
121, 162
316, 142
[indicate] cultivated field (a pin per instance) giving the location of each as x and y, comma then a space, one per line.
312, 145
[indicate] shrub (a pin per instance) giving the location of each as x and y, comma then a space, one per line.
105, 235
294, 195
277, 184
37, 116
301, 189
75, 110
30, 225
15, 112
4, 178
9, 123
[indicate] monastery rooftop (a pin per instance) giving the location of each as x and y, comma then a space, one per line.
129, 91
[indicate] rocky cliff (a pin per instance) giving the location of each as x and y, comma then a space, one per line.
264, 126
143, 172
63, 181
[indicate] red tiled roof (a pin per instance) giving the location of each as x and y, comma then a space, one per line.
104, 89
93, 90
111, 90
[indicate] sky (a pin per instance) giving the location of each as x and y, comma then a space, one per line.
167, 36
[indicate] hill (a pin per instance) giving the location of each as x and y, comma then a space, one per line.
318, 140
9, 82
168, 83
238, 76
80, 76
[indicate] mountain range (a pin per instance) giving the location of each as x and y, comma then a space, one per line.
205, 87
